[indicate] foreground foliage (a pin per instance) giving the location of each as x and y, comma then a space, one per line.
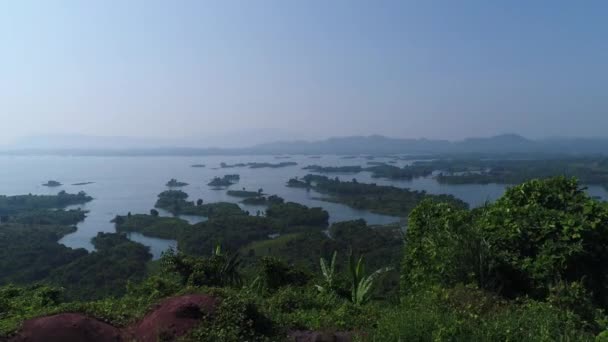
529, 267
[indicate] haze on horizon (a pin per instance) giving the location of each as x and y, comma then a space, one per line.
271, 70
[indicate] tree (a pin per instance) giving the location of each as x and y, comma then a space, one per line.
119, 220
199, 202
154, 212
438, 249
537, 237
217, 270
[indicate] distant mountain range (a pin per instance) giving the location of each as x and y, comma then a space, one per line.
500, 144
374, 144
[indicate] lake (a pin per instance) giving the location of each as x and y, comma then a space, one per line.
131, 184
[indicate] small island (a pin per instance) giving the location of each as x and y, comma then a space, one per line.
83, 183
395, 172
225, 181
258, 165
271, 165
263, 200
174, 183
176, 202
197, 165
150, 225
229, 166
334, 169
52, 183
15, 205
379, 199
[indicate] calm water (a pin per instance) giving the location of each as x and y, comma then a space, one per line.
131, 184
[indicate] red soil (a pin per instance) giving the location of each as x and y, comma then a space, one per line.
167, 321
174, 317
67, 327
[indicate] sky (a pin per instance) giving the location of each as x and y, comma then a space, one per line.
310, 69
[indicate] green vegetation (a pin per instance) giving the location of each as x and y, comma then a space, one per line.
295, 214
49, 217
105, 272
175, 202
378, 170
197, 165
530, 267
393, 172
589, 170
388, 200
231, 231
174, 183
52, 183
263, 200
271, 165
225, 181
150, 225
84, 183
13, 205
29, 253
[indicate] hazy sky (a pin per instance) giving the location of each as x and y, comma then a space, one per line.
303, 69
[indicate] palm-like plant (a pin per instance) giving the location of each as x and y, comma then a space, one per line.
329, 274
229, 270
362, 286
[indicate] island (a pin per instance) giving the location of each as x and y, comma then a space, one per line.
271, 165
197, 165
229, 166
150, 225
258, 165
52, 183
176, 202
83, 183
382, 170
589, 170
263, 200
14, 205
225, 181
380, 199
174, 183
244, 193
334, 169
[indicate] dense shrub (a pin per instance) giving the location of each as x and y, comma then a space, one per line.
538, 235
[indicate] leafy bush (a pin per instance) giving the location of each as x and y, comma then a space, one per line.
539, 234
466, 314
237, 319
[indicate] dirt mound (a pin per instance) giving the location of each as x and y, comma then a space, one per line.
169, 320
67, 327
173, 318
319, 336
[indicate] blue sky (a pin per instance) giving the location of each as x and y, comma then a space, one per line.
304, 69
